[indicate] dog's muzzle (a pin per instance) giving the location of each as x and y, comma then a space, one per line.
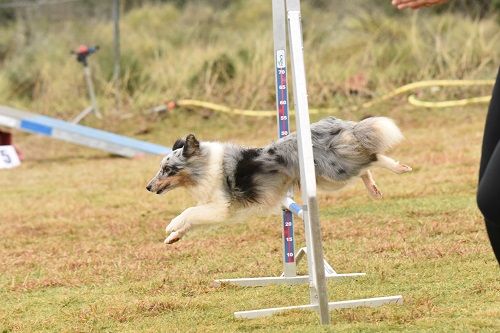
150, 189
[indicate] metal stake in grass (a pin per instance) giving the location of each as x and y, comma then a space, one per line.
82, 54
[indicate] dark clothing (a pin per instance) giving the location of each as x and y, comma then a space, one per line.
488, 194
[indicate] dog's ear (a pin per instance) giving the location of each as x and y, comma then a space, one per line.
191, 146
179, 143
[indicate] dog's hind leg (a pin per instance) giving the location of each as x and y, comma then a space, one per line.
388, 163
203, 214
370, 185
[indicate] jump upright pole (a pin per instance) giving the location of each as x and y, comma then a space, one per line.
317, 286
283, 122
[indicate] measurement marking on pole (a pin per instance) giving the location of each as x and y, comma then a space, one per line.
289, 244
284, 130
282, 93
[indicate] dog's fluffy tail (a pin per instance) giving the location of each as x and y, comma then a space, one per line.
377, 134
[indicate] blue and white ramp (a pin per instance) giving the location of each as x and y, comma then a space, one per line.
77, 134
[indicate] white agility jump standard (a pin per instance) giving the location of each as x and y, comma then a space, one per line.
319, 270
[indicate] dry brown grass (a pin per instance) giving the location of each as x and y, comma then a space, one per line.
82, 242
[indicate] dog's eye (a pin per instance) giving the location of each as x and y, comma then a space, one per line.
165, 170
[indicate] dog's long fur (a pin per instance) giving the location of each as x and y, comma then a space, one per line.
226, 178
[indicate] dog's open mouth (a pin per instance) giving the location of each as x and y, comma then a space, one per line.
163, 190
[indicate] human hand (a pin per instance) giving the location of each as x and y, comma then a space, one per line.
415, 4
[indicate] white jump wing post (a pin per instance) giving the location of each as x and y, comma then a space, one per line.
317, 286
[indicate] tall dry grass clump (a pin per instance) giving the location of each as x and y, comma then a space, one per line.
225, 55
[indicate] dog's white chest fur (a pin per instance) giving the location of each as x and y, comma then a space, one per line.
208, 188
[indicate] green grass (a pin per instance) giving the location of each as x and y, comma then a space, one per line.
82, 242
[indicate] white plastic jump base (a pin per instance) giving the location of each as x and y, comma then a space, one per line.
328, 268
279, 280
363, 302
330, 273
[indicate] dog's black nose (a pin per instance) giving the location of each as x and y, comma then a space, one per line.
148, 188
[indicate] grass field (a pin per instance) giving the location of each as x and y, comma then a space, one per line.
82, 241
81, 245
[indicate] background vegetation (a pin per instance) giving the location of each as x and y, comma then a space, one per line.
219, 51
81, 246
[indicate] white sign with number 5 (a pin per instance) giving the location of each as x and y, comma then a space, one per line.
8, 157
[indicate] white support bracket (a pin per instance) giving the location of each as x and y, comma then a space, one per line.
366, 302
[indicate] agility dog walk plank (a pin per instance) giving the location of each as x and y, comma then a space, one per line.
77, 134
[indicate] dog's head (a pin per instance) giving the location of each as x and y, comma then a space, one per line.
176, 169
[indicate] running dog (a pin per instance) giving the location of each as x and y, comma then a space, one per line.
228, 180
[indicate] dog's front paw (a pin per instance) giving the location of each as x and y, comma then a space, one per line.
403, 168
172, 238
177, 235
176, 224
176, 228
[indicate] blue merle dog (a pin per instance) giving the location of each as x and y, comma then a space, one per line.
228, 180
